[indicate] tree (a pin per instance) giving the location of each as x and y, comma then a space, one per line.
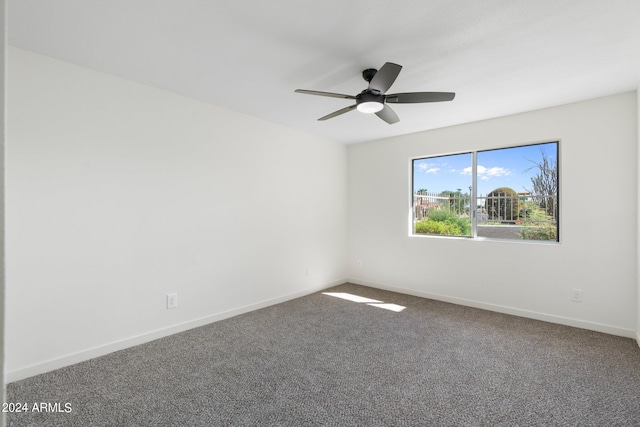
502, 204
545, 182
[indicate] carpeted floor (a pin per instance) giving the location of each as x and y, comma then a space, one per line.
323, 360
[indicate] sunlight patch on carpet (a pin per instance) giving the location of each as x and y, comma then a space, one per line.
388, 306
372, 302
351, 297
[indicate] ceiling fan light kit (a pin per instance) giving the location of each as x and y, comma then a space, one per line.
370, 107
374, 99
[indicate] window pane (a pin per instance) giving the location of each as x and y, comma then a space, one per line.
518, 192
441, 195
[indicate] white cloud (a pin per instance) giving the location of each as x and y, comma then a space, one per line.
428, 167
485, 173
497, 171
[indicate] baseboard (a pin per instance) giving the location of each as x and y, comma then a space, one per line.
592, 326
71, 359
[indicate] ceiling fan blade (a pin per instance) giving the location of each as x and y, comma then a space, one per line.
388, 115
385, 77
337, 113
417, 97
330, 94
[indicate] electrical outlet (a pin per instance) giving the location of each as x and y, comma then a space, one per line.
359, 263
576, 295
172, 300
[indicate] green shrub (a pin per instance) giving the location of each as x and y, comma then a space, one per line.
445, 228
538, 225
442, 215
539, 232
444, 222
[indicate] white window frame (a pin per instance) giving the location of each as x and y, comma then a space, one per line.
474, 195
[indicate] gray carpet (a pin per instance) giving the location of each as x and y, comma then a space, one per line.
326, 361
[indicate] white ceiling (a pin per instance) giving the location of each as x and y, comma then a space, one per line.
500, 56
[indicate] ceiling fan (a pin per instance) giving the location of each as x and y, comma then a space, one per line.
374, 100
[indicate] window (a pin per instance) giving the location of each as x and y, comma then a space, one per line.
507, 193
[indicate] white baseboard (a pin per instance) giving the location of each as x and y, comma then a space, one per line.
71, 359
592, 326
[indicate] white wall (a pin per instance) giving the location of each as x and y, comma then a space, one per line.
118, 194
3, 44
638, 211
598, 252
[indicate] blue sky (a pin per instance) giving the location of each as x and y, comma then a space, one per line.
496, 168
